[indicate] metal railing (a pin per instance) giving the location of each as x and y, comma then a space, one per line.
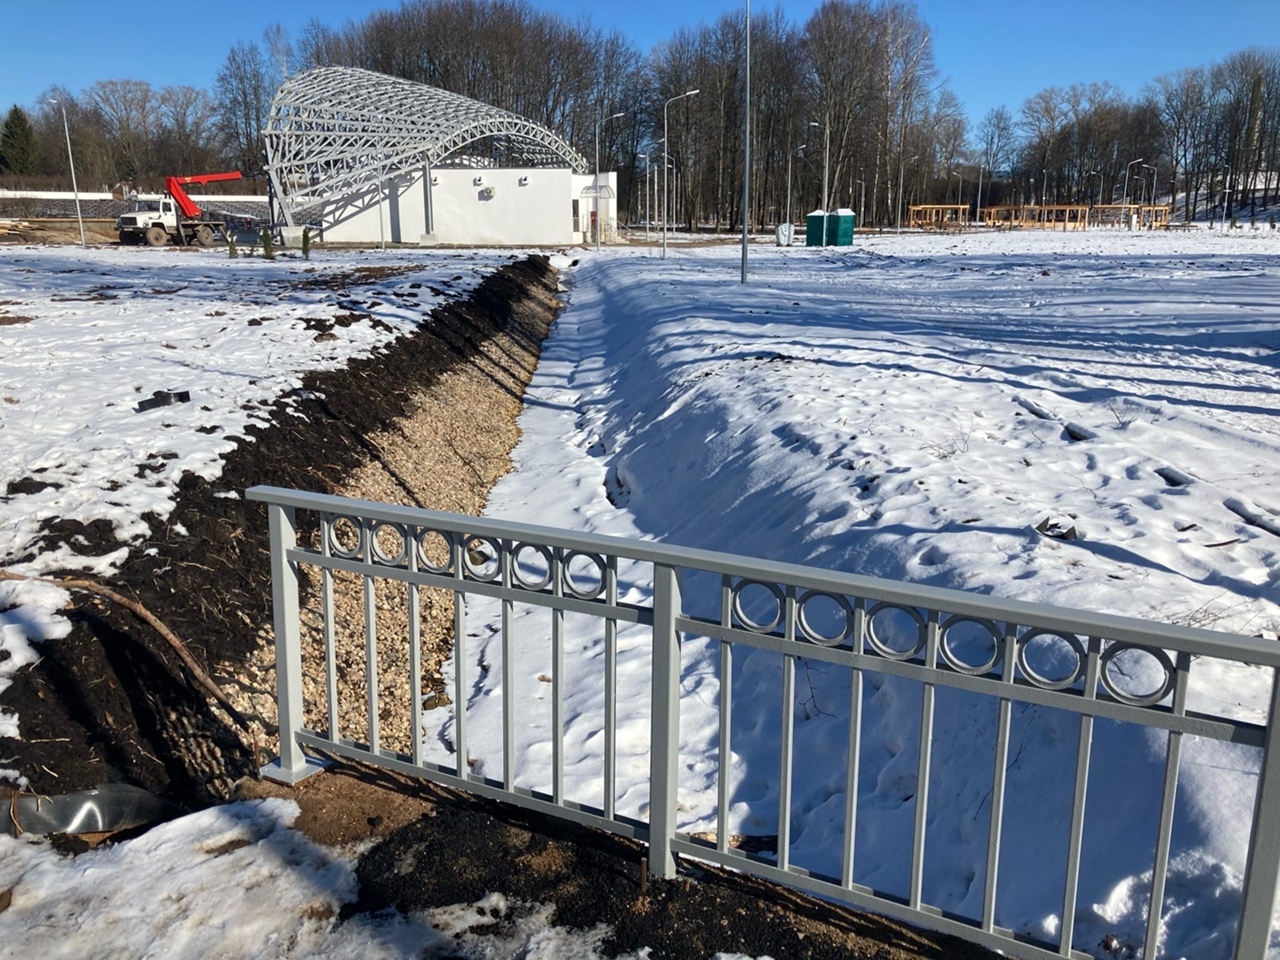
803, 615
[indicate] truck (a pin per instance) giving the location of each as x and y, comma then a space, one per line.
174, 216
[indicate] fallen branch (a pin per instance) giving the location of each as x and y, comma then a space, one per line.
151, 620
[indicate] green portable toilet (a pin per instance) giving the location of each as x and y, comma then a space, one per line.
840, 225
813, 224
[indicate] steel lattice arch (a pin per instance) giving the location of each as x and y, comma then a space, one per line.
339, 131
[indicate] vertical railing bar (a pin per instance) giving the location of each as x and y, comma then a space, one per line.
1168, 796
1071, 882
415, 652
784, 761
726, 600
371, 637
788, 732
330, 641
293, 763
1262, 865
664, 755
459, 660
726, 747
557, 695
508, 685
1000, 761
610, 691
854, 754
923, 766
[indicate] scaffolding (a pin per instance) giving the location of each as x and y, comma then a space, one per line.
336, 132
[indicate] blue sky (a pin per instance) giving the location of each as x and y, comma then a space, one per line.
991, 51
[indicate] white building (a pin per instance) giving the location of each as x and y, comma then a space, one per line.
371, 158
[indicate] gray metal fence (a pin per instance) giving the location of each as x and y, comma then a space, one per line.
772, 606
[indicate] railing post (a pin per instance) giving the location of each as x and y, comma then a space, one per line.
293, 765
664, 754
1262, 868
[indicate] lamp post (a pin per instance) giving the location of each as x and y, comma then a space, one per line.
1044, 187
665, 156
977, 204
901, 180
1126, 177
862, 200
1226, 195
645, 191
595, 209
790, 154
72, 162
826, 161
746, 144
1098, 174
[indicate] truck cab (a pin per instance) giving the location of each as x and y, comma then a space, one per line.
147, 215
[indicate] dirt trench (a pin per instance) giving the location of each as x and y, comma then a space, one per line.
111, 703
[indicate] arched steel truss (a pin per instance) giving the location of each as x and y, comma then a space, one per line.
338, 131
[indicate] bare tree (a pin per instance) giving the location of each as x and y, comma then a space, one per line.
244, 93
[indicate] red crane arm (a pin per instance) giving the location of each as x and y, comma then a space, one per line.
185, 203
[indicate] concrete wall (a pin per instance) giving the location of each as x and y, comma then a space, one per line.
525, 207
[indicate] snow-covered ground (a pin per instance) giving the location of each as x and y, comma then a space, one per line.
899, 409
85, 336
905, 410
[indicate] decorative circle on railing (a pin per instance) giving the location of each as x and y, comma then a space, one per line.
387, 529
1047, 683
1162, 660
480, 558
582, 574
435, 543
519, 560
740, 615
837, 609
953, 646
884, 643
346, 536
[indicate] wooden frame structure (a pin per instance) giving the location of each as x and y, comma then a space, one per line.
938, 216
1053, 216
1143, 215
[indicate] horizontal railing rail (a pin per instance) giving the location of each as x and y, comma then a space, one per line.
936, 638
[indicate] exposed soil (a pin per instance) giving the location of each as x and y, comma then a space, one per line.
111, 703
436, 848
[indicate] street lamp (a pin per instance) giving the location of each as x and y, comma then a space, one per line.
901, 180
1126, 178
977, 205
862, 200
1098, 174
826, 161
665, 157
790, 154
746, 144
596, 199
71, 160
646, 194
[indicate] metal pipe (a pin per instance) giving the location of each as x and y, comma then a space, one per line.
71, 160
